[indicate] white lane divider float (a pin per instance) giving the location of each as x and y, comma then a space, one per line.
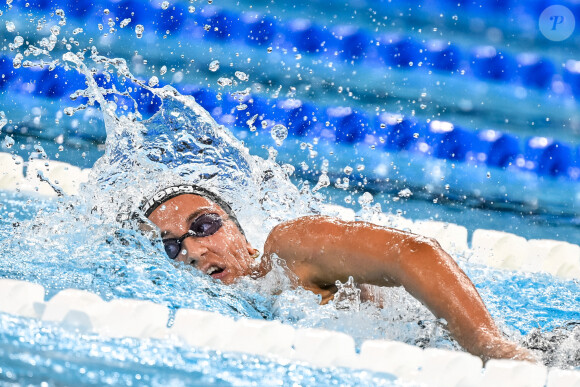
86, 312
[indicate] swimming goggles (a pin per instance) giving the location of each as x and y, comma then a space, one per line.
203, 226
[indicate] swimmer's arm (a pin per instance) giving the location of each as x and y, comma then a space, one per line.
322, 250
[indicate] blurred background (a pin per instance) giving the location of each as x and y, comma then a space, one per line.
459, 111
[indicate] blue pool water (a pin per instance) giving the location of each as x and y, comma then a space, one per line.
531, 190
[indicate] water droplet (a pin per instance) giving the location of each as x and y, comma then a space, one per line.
18, 41
17, 62
288, 169
8, 142
165, 5
347, 170
323, 181
153, 81
214, 65
269, 50
191, 9
365, 199
125, 22
77, 31
488, 175
405, 193
279, 133
106, 11
224, 81
163, 70
139, 30
10, 27
242, 76
360, 167
415, 135
3, 120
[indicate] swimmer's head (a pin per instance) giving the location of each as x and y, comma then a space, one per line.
151, 204
199, 228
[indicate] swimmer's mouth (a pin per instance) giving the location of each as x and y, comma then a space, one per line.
216, 272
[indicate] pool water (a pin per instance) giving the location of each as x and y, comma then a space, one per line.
76, 242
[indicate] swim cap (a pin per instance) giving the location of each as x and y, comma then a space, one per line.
148, 205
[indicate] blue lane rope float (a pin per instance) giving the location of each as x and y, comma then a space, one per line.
486, 63
330, 124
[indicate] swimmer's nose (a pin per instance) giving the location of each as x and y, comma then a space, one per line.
193, 250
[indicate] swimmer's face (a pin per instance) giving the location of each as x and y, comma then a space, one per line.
225, 254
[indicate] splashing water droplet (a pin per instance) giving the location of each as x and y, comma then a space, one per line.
165, 5
214, 65
224, 81
365, 199
488, 175
191, 9
163, 70
242, 76
347, 170
279, 133
10, 27
8, 142
3, 120
288, 169
18, 41
139, 30
153, 81
405, 193
323, 181
125, 22
17, 62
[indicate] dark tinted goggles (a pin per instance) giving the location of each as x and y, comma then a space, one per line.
203, 226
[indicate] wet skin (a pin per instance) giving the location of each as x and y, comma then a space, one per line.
321, 250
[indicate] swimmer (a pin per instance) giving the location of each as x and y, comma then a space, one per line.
198, 228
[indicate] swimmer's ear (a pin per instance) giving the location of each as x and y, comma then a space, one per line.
252, 251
